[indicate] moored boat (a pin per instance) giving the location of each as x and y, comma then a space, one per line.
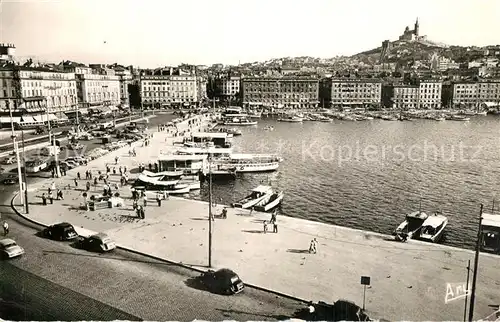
291, 119
433, 228
270, 203
459, 118
257, 195
491, 233
412, 224
235, 121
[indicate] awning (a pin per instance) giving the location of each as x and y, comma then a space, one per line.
43, 117
15, 119
27, 119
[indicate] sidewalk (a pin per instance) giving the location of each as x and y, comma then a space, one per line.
408, 280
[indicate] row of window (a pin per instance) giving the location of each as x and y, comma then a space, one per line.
39, 92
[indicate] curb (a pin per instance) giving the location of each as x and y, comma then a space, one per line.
162, 259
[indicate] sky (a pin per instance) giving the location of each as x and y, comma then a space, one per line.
152, 33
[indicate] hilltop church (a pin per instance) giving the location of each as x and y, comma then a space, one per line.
412, 35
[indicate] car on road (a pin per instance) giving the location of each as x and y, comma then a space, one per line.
9, 160
97, 243
10, 180
60, 231
78, 160
222, 281
10, 249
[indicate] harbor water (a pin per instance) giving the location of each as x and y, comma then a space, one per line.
369, 174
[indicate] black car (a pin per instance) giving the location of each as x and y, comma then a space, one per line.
97, 243
223, 281
61, 231
342, 310
10, 180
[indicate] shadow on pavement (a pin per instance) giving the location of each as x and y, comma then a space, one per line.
200, 219
195, 283
229, 313
253, 231
298, 251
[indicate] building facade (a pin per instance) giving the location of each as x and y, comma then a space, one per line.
356, 92
280, 92
97, 88
229, 86
430, 92
471, 94
405, 97
7, 90
125, 79
168, 89
40, 89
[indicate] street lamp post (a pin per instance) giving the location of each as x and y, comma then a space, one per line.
210, 215
16, 149
25, 176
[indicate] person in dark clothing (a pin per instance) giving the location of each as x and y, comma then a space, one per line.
143, 213
44, 199
224, 213
78, 175
76, 183
88, 186
95, 181
114, 170
150, 166
51, 198
275, 227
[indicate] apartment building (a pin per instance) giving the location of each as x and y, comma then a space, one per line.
39, 89
125, 79
405, 97
471, 94
281, 92
168, 89
229, 85
7, 90
98, 88
356, 92
430, 92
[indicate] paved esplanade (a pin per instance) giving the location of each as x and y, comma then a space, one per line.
408, 280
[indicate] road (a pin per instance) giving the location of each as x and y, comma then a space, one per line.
57, 281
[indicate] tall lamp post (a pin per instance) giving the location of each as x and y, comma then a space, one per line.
25, 176
52, 138
210, 215
16, 149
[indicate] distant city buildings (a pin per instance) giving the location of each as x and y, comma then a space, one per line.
280, 92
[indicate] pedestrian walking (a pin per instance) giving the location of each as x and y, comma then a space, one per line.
275, 227
124, 170
51, 198
265, 227
120, 170
87, 185
158, 199
76, 183
44, 199
61, 195
114, 170
116, 159
224, 213
313, 246
134, 205
78, 175
5, 228
165, 195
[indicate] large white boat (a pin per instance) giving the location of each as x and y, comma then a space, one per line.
239, 121
226, 159
161, 183
412, 224
256, 196
234, 111
491, 233
255, 115
433, 228
271, 202
250, 162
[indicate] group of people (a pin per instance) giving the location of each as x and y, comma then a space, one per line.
272, 222
50, 195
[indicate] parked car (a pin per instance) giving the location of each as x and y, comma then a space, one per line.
97, 243
40, 130
9, 160
79, 160
10, 249
71, 164
10, 180
76, 146
223, 281
60, 231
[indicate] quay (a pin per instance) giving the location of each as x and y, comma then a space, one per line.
409, 281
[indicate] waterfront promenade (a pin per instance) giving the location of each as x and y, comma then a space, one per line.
408, 279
